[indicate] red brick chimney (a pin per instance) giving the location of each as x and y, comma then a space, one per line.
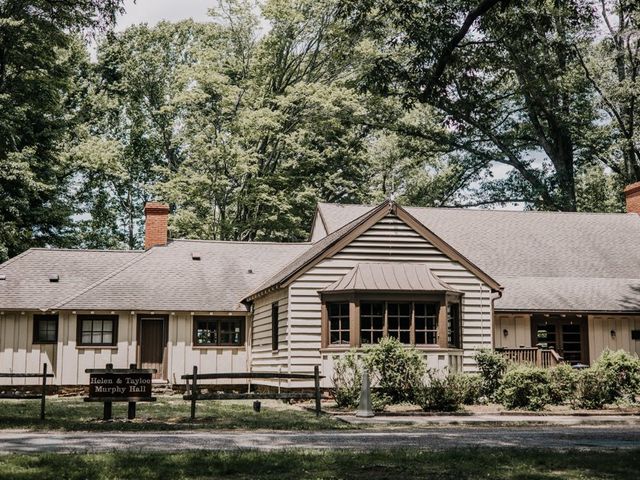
155, 227
632, 194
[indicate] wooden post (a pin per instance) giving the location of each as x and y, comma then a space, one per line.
316, 378
107, 413
44, 390
131, 411
194, 392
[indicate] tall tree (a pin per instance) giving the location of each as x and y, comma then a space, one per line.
35, 73
509, 86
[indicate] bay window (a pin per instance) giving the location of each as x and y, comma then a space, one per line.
427, 320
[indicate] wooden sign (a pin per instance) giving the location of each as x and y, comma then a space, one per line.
114, 385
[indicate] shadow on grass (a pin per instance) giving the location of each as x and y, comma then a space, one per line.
450, 465
170, 413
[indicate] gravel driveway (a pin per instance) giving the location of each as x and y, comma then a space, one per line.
604, 437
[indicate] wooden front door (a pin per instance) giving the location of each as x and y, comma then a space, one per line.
567, 335
153, 342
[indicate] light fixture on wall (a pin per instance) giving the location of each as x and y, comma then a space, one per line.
613, 334
505, 332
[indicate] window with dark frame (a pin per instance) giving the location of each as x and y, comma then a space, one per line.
371, 322
275, 326
399, 321
426, 323
395, 318
454, 325
339, 333
45, 328
97, 330
218, 331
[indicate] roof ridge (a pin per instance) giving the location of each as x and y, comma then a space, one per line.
101, 250
242, 242
471, 209
118, 270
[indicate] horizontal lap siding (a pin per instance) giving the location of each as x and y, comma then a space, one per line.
600, 338
263, 358
388, 240
182, 356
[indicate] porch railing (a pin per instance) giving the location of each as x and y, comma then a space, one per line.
541, 357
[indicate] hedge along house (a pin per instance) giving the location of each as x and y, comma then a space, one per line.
447, 281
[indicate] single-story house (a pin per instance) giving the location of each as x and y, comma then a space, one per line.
449, 281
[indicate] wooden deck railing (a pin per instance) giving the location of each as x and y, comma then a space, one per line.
542, 357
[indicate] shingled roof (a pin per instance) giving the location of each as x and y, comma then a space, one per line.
544, 260
26, 284
187, 275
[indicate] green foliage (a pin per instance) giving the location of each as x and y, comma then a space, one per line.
39, 56
614, 377
470, 388
396, 370
525, 387
592, 390
441, 393
347, 379
563, 383
492, 366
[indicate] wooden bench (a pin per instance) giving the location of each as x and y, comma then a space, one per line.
26, 396
196, 395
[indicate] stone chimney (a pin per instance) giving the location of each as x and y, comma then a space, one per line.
632, 195
155, 226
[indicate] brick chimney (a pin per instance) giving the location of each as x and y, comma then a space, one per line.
632, 195
155, 227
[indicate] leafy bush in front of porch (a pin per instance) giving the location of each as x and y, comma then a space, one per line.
614, 378
441, 393
525, 387
563, 384
492, 366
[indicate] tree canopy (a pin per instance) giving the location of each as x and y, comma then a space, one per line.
243, 123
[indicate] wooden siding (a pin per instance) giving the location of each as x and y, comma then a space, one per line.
68, 361
600, 338
518, 327
18, 354
388, 240
182, 355
263, 358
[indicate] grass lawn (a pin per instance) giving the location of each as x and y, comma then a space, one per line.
455, 465
168, 413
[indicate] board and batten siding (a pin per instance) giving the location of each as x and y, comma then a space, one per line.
388, 240
68, 361
600, 339
518, 327
18, 354
183, 355
263, 357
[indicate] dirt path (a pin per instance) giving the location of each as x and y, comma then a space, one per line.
604, 437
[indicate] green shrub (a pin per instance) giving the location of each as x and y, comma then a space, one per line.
441, 394
622, 371
470, 388
492, 366
593, 389
524, 387
397, 371
563, 384
613, 378
347, 379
